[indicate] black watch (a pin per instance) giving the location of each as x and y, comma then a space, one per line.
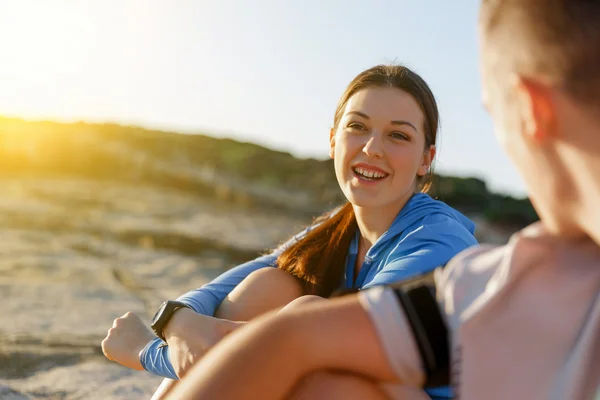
163, 316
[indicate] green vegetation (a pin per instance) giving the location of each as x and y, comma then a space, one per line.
227, 169
471, 195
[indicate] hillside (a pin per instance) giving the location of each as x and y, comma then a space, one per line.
231, 171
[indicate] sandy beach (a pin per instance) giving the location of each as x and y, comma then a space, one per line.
75, 254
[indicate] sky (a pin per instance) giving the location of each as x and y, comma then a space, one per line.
268, 71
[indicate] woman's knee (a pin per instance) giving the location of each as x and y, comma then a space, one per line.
261, 291
302, 301
272, 281
272, 276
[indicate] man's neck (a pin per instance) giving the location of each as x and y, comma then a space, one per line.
583, 159
589, 214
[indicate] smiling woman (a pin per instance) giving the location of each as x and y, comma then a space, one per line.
383, 145
370, 146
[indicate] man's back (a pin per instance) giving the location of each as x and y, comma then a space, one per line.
525, 318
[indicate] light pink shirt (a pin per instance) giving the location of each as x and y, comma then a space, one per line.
524, 320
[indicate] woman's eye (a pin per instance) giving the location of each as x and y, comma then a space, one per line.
399, 136
355, 126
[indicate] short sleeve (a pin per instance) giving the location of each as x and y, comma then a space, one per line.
394, 333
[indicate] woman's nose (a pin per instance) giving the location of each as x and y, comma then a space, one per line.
373, 147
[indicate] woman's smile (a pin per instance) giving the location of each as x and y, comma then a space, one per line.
368, 174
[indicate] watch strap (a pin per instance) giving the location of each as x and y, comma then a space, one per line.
166, 312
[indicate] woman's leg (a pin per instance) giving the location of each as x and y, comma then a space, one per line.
263, 290
163, 389
300, 301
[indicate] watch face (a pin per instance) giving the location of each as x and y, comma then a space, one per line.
159, 312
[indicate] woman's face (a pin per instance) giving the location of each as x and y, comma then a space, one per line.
378, 148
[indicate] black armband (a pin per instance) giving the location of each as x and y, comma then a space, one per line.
418, 300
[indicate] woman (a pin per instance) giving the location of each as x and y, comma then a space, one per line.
524, 318
383, 145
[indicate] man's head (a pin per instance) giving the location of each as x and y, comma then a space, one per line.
541, 81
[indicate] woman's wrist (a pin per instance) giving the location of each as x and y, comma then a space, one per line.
178, 322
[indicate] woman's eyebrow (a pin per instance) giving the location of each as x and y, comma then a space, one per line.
365, 116
403, 122
398, 122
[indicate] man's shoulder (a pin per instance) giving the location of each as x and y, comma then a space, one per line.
479, 260
467, 277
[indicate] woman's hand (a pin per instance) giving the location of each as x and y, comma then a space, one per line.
126, 339
190, 335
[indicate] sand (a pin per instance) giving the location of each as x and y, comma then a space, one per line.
76, 254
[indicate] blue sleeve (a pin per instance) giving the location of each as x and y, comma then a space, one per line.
422, 251
205, 300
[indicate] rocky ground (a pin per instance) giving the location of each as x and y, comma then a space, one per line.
74, 255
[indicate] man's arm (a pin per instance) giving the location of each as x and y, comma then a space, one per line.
267, 357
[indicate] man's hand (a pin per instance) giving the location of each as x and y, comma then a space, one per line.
190, 335
126, 339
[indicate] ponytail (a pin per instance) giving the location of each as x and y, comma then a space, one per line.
318, 260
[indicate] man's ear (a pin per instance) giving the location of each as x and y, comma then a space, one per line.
428, 157
536, 102
331, 143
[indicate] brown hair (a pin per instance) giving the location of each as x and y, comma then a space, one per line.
318, 260
559, 39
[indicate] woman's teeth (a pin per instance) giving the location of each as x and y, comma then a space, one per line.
367, 174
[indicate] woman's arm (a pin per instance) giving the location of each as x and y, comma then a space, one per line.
266, 358
205, 300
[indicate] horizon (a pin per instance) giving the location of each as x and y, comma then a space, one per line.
177, 69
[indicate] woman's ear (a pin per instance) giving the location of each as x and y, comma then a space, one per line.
428, 157
331, 143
